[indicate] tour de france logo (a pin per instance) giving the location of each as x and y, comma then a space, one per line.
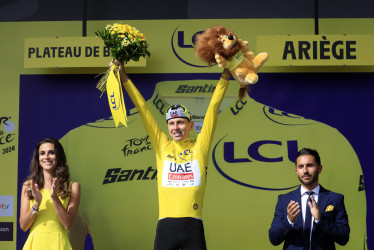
7, 135
136, 145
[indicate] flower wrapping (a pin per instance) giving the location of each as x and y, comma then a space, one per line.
125, 43
115, 97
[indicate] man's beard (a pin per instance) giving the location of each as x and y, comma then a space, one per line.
309, 182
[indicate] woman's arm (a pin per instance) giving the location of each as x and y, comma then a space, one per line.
27, 215
66, 216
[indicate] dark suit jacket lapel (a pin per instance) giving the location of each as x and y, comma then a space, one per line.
323, 199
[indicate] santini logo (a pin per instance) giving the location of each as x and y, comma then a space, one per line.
118, 175
185, 88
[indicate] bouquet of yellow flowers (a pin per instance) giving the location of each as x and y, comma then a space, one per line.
125, 43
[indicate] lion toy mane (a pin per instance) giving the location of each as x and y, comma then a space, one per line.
222, 46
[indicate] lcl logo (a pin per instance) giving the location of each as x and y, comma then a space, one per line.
179, 43
115, 104
254, 156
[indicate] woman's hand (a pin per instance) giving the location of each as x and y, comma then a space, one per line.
27, 214
54, 187
36, 193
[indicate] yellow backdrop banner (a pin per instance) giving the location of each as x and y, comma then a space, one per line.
69, 52
318, 50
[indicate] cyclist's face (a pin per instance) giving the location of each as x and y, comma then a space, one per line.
179, 128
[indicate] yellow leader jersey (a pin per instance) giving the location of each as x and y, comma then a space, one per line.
181, 166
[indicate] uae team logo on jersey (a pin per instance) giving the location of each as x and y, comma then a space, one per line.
181, 174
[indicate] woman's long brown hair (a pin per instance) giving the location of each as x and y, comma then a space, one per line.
61, 171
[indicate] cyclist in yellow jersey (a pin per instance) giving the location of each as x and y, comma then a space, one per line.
181, 167
253, 145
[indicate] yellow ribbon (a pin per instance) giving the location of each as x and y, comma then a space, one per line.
115, 97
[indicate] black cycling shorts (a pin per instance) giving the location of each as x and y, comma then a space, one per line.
180, 233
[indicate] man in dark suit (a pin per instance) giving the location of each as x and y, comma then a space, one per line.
310, 217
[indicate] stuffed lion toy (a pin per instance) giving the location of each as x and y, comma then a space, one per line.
222, 46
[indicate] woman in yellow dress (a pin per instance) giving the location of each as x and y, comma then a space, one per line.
49, 200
